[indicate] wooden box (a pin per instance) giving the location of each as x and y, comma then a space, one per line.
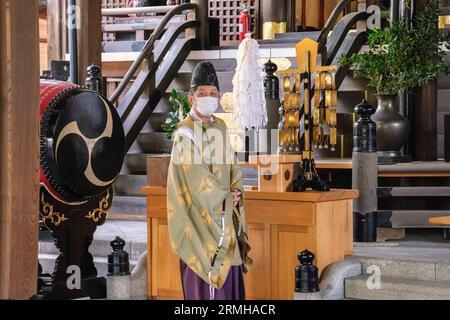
276, 172
280, 226
157, 167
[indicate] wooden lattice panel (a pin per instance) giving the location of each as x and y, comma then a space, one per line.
109, 4
228, 12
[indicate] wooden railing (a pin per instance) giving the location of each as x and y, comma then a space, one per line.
146, 90
150, 45
331, 22
139, 10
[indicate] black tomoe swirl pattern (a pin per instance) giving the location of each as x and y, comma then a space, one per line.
70, 129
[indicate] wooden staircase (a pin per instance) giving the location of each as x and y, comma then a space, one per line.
410, 194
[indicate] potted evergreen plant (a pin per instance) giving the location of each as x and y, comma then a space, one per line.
399, 58
181, 108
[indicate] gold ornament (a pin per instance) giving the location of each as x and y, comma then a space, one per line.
48, 214
102, 209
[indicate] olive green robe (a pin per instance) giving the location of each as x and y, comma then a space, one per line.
202, 173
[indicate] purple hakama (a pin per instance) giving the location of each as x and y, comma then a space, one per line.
195, 288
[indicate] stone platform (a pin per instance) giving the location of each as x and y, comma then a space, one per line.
405, 270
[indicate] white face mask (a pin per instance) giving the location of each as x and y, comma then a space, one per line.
207, 105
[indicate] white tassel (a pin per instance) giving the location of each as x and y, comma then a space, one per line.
248, 87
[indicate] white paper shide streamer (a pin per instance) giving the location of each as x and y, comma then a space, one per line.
248, 87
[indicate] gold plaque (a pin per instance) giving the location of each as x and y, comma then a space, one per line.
316, 116
297, 84
271, 28
287, 84
333, 121
333, 136
330, 98
323, 81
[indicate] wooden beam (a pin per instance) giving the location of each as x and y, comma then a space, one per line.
321, 13
19, 148
89, 36
425, 114
425, 126
56, 30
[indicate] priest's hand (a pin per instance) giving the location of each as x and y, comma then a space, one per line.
236, 197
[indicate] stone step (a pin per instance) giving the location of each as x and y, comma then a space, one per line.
123, 46
136, 163
298, 35
155, 122
129, 208
153, 142
426, 269
129, 185
385, 192
227, 64
414, 218
392, 288
279, 42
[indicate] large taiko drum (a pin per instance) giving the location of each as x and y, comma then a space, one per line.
82, 142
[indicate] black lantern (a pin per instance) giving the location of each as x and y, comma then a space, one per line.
306, 274
365, 130
271, 82
118, 259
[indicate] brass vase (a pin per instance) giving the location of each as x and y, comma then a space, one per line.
392, 127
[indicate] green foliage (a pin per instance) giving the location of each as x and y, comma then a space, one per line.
402, 57
181, 108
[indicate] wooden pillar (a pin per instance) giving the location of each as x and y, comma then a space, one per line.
56, 30
89, 36
203, 6
425, 122
425, 115
291, 16
274, 18
19, 148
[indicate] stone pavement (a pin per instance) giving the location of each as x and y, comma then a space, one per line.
134, 233
425, 251
130, 231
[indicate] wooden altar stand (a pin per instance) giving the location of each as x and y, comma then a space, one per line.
281, 224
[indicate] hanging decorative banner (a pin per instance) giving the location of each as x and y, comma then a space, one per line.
248, 87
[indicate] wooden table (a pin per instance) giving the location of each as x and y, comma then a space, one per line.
280, 226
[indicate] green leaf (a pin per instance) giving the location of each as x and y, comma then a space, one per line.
402, 57
181, 108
